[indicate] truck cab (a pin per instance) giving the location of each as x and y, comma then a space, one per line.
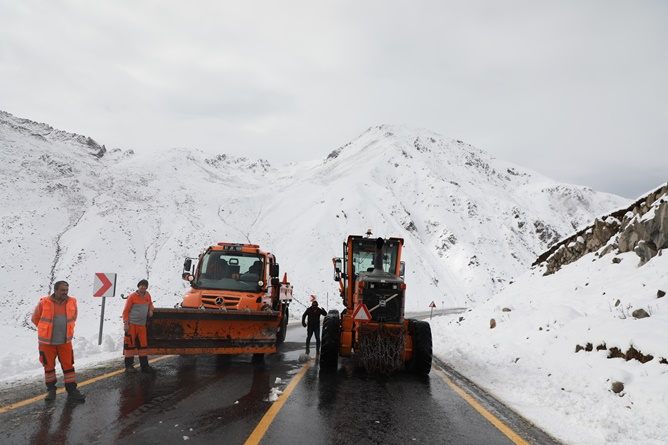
230, 276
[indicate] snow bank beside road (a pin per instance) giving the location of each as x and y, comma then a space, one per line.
529, 361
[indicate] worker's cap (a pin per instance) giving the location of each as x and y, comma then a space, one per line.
142, 283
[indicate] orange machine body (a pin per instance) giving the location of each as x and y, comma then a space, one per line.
236, 305
371, 274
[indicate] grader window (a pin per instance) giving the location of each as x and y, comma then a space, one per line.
364, 251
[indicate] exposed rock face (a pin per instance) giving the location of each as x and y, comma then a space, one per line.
645, 250
642, 227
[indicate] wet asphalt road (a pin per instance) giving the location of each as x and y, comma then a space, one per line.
350, 407
212, 400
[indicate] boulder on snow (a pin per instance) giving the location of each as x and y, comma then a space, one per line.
617, 387
506, 309
616, 260
649, 225
492, 323
640, 313
646, 250
660, 293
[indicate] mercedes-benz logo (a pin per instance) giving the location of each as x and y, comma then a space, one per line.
219, 301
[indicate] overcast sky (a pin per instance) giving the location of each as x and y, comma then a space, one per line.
577, 90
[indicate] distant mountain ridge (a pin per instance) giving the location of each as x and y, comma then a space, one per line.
48, 133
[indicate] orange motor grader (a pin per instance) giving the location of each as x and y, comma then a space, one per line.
371, 273
236, 304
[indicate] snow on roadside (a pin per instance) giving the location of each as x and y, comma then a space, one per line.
529, 361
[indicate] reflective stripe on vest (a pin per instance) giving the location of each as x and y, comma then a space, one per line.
45, 325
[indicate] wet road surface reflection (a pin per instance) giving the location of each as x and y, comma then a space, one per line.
211, 399
198, 398
53, 424
349, 406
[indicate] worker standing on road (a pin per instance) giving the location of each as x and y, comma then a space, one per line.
138, 309
54, 317
313, 327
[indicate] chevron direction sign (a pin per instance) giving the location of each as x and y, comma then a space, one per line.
104, 284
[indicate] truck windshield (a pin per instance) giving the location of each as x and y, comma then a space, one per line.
364, 250
230, 271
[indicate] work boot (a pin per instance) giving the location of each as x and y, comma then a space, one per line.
73, 394
130, 365
308, 350
50, 393
145, 367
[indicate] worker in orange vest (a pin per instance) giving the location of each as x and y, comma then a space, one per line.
54, 317
138, 309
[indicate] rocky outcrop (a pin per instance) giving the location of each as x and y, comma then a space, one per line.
642, 227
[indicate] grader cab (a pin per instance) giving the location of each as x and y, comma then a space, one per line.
372, 327
236, 304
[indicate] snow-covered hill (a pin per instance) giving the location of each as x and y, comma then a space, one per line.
581, 351
70, 207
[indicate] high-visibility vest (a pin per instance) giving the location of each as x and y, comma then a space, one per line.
45, 324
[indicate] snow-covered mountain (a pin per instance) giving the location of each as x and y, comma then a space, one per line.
70, 207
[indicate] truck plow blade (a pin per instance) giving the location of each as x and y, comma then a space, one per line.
196, 331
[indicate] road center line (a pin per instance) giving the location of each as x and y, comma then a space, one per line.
262, 427
491, 418
15, 405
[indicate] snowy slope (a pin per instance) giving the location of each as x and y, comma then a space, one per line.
70, 207
554, 352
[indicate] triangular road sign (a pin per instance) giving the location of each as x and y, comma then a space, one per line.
362, 313
432, 305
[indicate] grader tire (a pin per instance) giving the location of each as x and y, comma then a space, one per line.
422, 351
331, 336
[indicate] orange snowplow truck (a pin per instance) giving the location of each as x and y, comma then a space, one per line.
236, 304
370, 275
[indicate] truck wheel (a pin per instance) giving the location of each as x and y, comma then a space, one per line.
329, 346
421, 362
282, 330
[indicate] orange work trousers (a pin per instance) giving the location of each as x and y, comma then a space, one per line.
136, 341
65, 355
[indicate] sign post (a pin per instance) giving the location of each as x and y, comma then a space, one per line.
104, 285
432, 306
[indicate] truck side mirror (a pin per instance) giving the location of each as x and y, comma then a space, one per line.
402, 269
274, 270
187, 265
337, 269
